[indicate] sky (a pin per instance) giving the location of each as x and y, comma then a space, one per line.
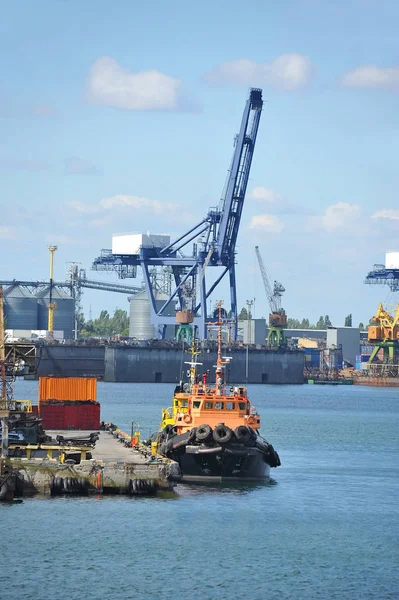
120, 117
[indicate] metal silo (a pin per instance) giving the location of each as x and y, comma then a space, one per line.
20, 308
64, 314
140, 326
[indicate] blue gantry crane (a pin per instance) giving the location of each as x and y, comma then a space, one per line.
380, 275
218, 233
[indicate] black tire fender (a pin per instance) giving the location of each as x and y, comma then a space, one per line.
222, 434
243, 434
4, 491
203, 432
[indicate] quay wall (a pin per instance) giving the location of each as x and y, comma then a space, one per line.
166, 365
149, 364
70, 360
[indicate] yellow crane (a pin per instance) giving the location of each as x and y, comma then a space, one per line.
383, 331
51, 305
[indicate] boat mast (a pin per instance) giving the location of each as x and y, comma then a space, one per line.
219, 362
193, 363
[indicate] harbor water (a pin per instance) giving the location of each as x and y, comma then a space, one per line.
325, 527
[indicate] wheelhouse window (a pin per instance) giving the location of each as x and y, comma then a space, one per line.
242, 405
219, 405
196, 403
209, 405
229, 405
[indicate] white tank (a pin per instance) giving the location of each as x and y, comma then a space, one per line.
140, 326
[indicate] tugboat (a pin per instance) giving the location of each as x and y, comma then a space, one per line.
212, 431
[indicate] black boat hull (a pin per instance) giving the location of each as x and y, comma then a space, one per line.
221, 464
247, 459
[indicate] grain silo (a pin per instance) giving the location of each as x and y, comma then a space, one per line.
140, 326
64, 314
20, 308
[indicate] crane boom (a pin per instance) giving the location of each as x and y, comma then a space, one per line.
236, 187
269, 292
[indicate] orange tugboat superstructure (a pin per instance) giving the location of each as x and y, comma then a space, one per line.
212, 430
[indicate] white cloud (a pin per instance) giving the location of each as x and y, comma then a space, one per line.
83, 208
121, 200
341, 215
124, 201
276, 202
386, 213
266, 194
110, 84
372, 77
267, 223
287, 72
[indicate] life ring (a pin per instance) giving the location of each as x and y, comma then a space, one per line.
187, 418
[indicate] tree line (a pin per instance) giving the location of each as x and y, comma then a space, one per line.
118, 324
105, 325
322, 323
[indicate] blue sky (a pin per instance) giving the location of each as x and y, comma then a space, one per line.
119, 117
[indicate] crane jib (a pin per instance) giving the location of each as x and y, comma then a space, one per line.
238, 177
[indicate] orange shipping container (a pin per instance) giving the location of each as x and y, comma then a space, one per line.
67, 388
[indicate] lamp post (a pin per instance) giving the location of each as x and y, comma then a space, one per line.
249, 336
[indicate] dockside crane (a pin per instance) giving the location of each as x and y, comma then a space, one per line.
217, 231
383, 332
277, 317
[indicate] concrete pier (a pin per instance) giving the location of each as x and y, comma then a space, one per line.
114, 467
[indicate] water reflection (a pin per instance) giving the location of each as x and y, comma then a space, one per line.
223, 487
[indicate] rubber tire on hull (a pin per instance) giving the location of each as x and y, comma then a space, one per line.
203, 433
243, 434
222, 434
192, 435
4, 490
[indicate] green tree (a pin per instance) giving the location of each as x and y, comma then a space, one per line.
106, 326
321, 324
243, 316
348, 320
361, 325
327, 322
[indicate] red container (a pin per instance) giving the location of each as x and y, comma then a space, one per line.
60, 415
52, 416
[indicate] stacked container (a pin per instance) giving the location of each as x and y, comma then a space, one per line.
69, 403
312, 358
